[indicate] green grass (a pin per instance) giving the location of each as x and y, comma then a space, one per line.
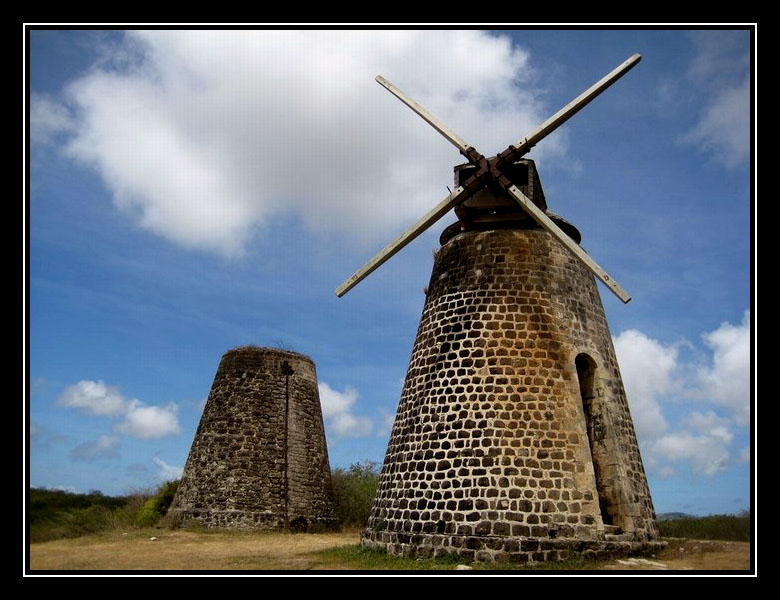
363, 559
734, 528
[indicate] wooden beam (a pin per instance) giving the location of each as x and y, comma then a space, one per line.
538, 215
573, 107
450, 135
441, 209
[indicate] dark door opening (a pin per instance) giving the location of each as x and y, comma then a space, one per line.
594, 426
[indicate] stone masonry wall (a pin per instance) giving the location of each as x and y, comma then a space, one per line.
243, 471
490, 455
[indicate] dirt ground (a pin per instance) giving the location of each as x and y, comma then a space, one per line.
182, 550
700, 555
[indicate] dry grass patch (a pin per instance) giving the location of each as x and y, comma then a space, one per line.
184, 550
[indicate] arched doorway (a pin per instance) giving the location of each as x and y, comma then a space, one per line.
594, 426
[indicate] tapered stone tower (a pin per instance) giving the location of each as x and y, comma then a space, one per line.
259, 459
513, 437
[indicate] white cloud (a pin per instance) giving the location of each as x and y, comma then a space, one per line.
336, 412
723, 130
710, 424
720, 55
385, 423
654, 375
706, 454
721, 71
93, 397
47, 120
727, 381
648, 371
149, 422
106, 446
140, 421
703, 443
206, 135
167, 472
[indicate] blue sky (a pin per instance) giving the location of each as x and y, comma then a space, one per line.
193, 191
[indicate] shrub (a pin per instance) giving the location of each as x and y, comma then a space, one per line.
714, 527
55, 514
156, 506
354, 490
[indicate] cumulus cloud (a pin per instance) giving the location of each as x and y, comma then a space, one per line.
385, 423
167, 472
43, 438
106, 446
203, 136
711, 424
727, 381
149, 422
48, 119
721, 70
654, 376
704, 443
648, 371
706, 454
93, 397
337, 412
140, 420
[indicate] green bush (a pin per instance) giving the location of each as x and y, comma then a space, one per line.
55, 514
155, 507
354, 490
735, 528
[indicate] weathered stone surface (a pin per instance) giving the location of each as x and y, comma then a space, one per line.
259, 459
513, 421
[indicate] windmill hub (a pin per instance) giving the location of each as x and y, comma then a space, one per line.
492, 208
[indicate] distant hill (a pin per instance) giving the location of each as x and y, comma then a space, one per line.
673, 515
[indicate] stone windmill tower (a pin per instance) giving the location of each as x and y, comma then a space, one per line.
513, 437
259, 459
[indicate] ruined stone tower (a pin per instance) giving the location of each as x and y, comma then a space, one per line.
513, 437
259, 459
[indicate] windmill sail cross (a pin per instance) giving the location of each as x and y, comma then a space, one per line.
492, 171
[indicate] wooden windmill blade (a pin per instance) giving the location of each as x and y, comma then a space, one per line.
538, 134
450, 135
573, 107
491, 171
543, 220
402, 240
458, 195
